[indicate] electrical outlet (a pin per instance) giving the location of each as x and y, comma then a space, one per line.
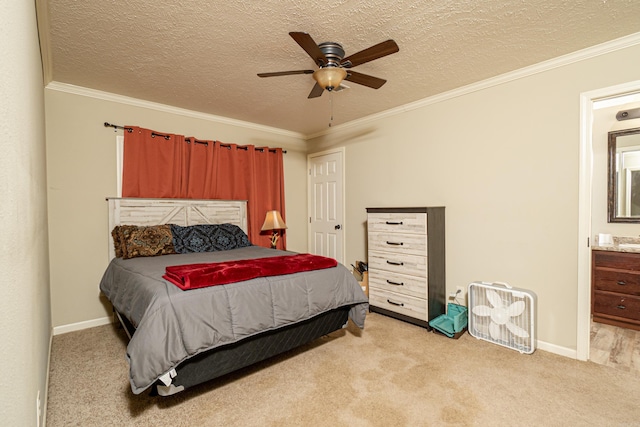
461, 295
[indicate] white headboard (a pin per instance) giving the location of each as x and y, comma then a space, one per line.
136, 211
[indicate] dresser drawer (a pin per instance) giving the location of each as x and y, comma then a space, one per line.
411, 265
398, 303
399, 283
616, 281
398, 243
415, 223
616, 260
615, 305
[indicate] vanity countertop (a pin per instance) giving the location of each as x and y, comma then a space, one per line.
615, 248
617, 241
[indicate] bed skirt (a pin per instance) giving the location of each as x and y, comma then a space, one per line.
232, 357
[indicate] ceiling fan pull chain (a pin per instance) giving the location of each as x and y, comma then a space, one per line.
331, 107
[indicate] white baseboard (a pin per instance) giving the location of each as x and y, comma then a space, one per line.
556, 349
59, 330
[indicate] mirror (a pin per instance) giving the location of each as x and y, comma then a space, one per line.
624, 176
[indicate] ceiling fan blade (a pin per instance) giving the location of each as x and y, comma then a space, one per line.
311, 47
285, 73
365, 79
316, 91
374, 52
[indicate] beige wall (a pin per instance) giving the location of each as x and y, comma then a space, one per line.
504, 162
25, 329
81, 172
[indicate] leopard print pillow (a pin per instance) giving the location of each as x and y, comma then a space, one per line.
141, 241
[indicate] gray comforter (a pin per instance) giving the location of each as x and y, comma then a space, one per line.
173, 325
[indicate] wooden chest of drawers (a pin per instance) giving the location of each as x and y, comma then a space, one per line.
615, 295
407, 262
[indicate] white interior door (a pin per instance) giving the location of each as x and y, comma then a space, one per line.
326, 204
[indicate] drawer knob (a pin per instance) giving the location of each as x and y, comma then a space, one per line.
394, 223
395, 243
621, 282
395, 303
394, 283
621, 307
395, 263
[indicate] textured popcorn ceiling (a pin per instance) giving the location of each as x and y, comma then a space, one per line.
203, 55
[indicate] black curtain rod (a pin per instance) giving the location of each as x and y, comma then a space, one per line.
109, 125
197, 141
153, 134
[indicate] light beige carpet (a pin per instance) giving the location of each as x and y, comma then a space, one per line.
390, 374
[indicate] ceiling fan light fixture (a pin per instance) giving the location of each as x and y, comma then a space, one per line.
330, 77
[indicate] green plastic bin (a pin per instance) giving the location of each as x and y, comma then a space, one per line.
453, 323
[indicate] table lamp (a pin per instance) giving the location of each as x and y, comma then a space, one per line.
273, 221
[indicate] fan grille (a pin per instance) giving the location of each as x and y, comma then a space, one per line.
502, 315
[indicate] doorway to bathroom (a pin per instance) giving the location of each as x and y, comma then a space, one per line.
597, 118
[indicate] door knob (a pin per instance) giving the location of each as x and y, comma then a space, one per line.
337, 227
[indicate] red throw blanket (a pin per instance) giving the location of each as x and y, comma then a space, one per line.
193, 276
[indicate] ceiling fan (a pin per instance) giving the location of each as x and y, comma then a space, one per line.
334, 67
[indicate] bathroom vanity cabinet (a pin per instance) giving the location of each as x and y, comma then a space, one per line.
615, 288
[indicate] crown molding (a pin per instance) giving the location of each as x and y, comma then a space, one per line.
560, 61
581, 55
107, 96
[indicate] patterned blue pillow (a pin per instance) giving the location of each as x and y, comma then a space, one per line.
208, 238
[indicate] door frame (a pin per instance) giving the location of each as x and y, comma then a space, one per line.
587, 100
342, 152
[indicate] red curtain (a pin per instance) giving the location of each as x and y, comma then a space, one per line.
172, 166
153, 164
269, 168
198, 166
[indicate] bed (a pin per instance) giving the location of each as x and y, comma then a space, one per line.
183, 337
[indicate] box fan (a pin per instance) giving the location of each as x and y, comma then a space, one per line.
503, 315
